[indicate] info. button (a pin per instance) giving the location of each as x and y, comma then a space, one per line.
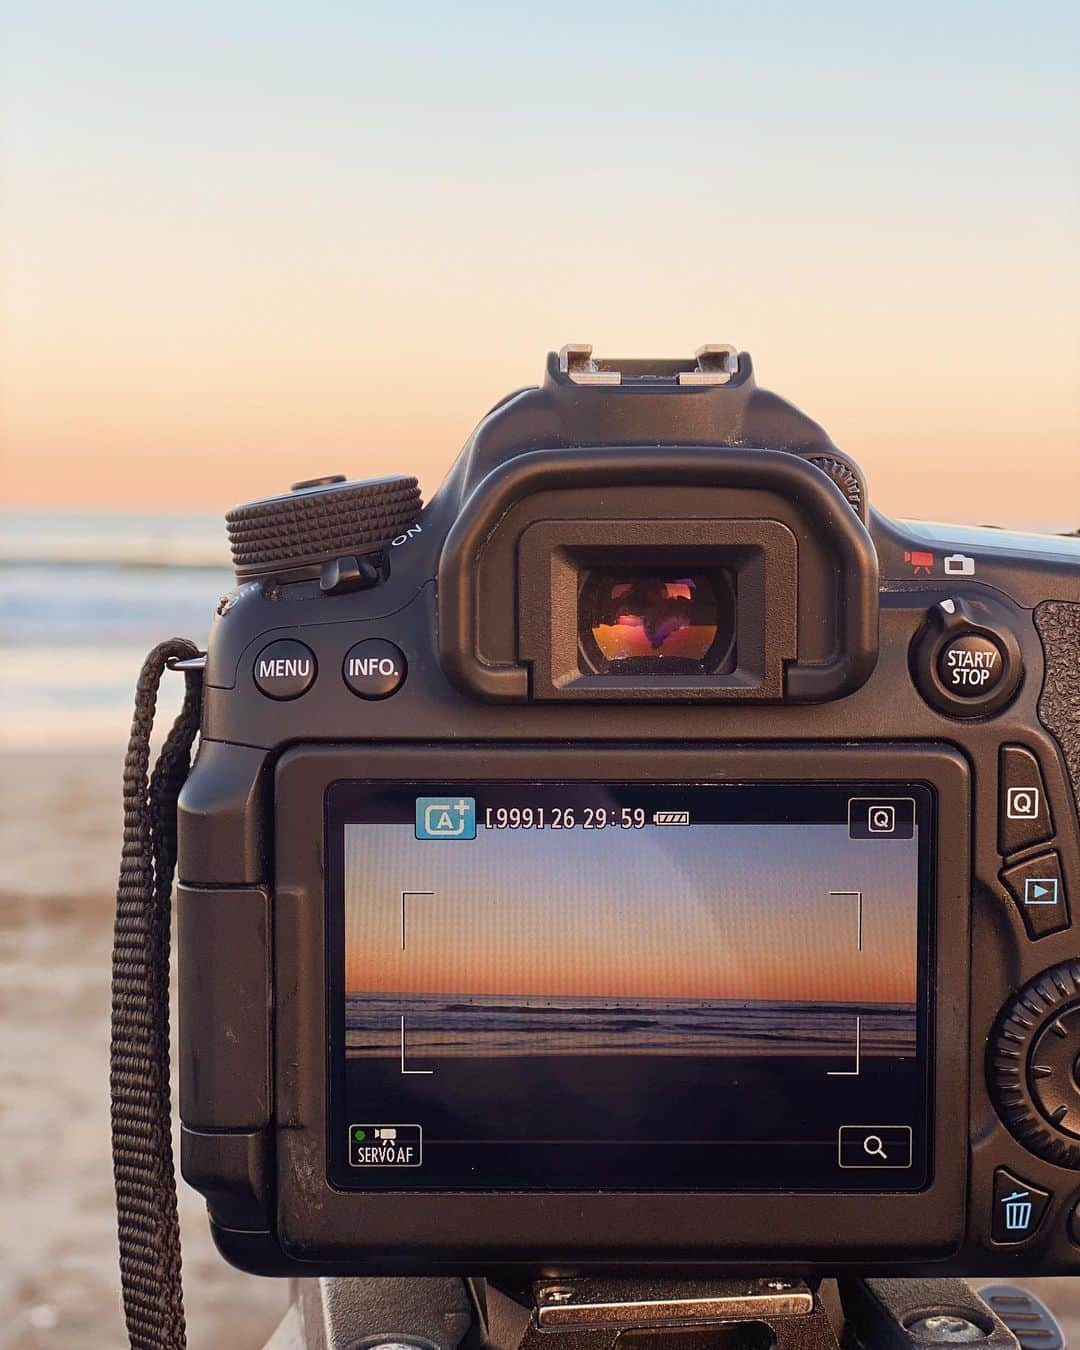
875, 1146
374, 668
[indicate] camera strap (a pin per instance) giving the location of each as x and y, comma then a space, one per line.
147, 1223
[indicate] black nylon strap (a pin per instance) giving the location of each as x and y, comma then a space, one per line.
143, 1166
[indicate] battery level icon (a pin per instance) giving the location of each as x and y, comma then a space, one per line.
671, 817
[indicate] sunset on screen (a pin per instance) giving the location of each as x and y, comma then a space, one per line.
705, 915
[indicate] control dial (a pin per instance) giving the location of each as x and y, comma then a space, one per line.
319, 520
846, 479
1034, 1065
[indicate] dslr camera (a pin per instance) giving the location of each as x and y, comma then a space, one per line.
646, 855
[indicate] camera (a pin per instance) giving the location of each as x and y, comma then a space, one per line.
646, 855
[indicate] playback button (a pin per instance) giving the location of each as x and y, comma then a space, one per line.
1038, 888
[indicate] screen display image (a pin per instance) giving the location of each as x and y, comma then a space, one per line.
586, 986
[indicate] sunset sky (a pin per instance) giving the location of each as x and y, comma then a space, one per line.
712, 912
246, 244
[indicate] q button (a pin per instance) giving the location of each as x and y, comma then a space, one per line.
374, 668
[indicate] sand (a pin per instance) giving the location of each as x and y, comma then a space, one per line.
59, 1286
59, 1283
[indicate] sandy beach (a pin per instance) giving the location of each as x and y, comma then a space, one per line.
59, 1282
59, 1286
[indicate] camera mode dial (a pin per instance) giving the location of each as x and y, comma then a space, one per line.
1034, 1065
319, 520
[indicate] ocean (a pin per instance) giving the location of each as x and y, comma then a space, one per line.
83, 598
450, 1026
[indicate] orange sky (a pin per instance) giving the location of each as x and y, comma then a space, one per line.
173, 422
110, 432
710, 913
237, 254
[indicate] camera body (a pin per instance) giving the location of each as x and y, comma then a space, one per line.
645, 856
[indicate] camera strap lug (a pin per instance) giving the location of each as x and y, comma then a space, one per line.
188, 665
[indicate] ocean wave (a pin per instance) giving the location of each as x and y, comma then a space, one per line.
143, 541
517, 1026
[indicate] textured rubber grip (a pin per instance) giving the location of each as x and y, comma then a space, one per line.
313, 526
1058, 625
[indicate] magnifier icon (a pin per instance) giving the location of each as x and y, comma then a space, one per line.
873, 1146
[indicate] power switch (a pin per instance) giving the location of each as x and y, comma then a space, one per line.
1023, 811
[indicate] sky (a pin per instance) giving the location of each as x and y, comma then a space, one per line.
713, 912
245, 244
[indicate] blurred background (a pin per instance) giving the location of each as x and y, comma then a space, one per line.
247, 244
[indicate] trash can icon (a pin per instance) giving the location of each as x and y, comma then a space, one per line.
1017, 1211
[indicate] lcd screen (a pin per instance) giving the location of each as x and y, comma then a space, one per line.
629, 986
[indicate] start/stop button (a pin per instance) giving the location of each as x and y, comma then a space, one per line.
971, 665
965, 660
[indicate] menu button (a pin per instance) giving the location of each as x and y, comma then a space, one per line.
285, 669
